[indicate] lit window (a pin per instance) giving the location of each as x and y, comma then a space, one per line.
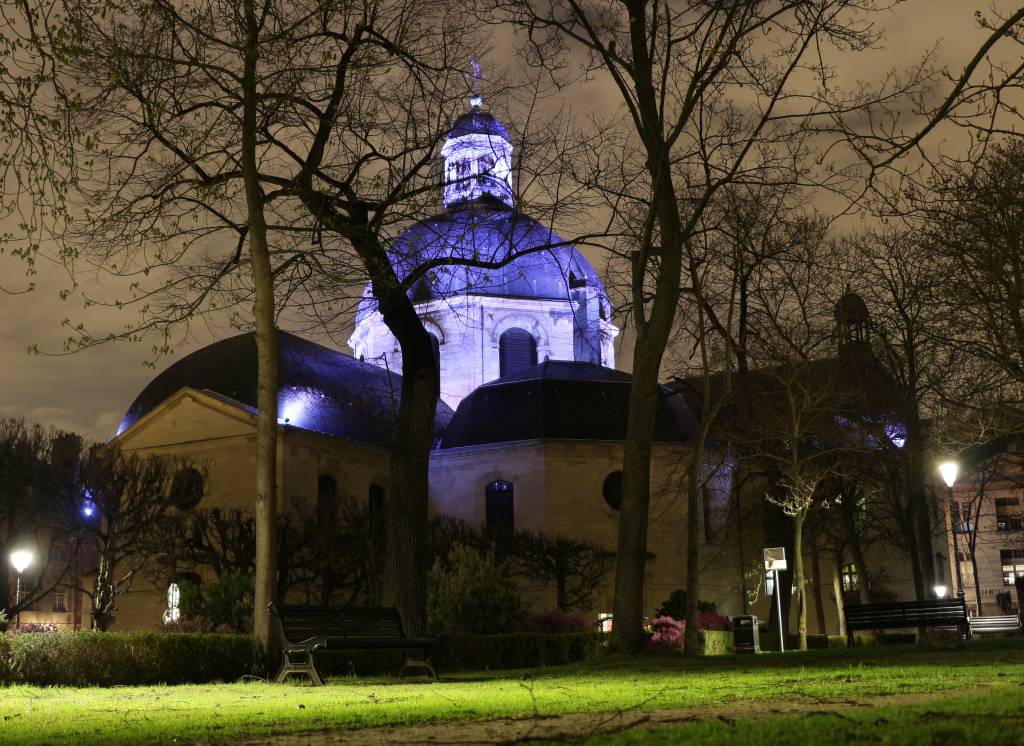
604, 622
1012, 561
173, 612
850, 580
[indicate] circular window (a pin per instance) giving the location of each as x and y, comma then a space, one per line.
187, 488
612, 490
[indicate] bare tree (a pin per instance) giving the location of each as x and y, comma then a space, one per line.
711, 93
34, 480
577, 569
131, 499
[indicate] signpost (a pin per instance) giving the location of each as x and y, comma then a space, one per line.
775, 560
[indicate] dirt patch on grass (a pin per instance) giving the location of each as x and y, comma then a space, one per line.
576, 727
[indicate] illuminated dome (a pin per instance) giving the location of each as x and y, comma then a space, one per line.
321, 389
487, 230
477, 122
496, 289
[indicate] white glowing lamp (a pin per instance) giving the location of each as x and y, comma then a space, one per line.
21, 559
949, 469
940, 591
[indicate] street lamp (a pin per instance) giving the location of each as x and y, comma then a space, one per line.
949, 470
20, 559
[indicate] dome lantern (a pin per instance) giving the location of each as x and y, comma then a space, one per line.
477, 158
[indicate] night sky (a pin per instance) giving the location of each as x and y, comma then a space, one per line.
88, 392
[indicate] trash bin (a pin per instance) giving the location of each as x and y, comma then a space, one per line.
744, 634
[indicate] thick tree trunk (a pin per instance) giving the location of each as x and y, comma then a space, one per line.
266, 345
404, 585
916, 484
691, 647
631, 557
799, 580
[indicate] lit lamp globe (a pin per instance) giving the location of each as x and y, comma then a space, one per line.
21, 559
940, 591
949, 470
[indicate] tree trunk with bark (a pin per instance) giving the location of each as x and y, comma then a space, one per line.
799, 579
267, 342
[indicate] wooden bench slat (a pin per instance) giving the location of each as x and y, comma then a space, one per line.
307, 629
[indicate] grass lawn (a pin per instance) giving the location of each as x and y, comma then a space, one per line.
984, 681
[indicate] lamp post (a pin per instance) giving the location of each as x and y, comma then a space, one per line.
20, 559
949, 470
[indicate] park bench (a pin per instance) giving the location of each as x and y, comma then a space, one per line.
944, 612
1004, 623
305, 630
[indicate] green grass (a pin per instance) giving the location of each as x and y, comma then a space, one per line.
992, 717
154, 714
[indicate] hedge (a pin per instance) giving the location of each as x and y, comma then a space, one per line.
125, 658
715, 642
519, 650
476, 653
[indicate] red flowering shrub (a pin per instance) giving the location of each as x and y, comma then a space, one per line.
32, 627
712, 620
667, 632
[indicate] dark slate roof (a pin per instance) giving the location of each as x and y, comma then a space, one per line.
487, 229
321, 390
558, 400
477, 122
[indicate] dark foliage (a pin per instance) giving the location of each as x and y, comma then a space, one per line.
125, 658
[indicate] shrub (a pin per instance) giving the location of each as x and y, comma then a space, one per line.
224, 601
675, 605
712, 620
126, 658
667, 633
715, 642
519, 650
557, 621
193, 624
471, 594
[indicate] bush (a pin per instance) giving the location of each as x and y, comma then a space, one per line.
520, 650
125, 658
223, 602
472, 594
675, 605
709, 619
667, 633
715, 642
557, 621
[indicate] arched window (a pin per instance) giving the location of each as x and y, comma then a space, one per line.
517, 349
375, 510
612, 490
435, 345
187, 488
500, 509
326, 499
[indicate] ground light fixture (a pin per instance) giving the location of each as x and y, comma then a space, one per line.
940, 591
20, 560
